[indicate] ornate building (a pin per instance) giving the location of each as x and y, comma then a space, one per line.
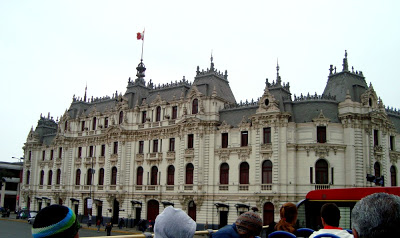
193, 146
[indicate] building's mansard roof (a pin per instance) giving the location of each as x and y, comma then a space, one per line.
210, 82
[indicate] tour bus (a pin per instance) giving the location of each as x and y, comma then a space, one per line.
345, 198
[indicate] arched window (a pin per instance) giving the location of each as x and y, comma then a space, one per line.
78, 177
41, 177
267, 172
377, 169
101, 176
244, 173
268, 216
58, 179
189, 173
94, 123
224, 174
28, 175
114, 176
154, 173
89, 177
321, 172
139, 176
49, 177
393, 175
158, 114
171, 175
195, 106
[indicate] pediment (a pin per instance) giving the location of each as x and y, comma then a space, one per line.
267, 103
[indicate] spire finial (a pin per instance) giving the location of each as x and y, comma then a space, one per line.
212, 63
345, 64
85, 93
277, 67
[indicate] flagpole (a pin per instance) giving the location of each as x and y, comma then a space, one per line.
141, 59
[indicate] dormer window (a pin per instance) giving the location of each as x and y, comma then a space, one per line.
143, 116
82, 125
94, 123
106, 122
66, 126
121, 117
174, 112
370, 102
158, 114
321, 134
195, 106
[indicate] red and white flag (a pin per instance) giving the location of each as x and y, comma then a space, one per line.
140, 36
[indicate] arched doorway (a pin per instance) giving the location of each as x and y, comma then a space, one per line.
153, 208
268, 213
115, 212
192, 210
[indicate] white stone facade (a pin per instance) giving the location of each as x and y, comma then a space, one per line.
348, 152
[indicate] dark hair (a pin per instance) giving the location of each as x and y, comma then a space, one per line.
288, 214
52, 215
331, 214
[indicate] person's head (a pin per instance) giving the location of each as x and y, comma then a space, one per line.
288, 213
172, 223
55, 221
330, 214
248, 224
376, 216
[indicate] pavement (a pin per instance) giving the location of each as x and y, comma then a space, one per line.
124, 230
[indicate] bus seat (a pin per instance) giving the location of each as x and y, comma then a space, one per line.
304, 232
281, 234
326, 235
349, 231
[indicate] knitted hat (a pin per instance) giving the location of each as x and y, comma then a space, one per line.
174, 223
55, 221
249, 223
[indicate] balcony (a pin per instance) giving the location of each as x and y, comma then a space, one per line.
170, 156
155, 124
243, 187
58, 161
90, 160
154, 158
266, 187
188, 187
322, 186
102, 160
170, 188
78, 161
266, 149
223, 188
189, 154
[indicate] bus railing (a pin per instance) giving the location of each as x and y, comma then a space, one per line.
147, 234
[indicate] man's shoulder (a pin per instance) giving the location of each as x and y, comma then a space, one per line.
340, 233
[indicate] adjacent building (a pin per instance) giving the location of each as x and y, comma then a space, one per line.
10, 178
193, 146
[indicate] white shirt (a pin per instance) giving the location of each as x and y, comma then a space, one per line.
340, 233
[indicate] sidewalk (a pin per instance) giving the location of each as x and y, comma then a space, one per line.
124, 230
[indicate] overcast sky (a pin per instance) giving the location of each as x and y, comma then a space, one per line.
49, 50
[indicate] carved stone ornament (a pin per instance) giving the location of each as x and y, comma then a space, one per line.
321, 120
224, 127
267, 103
394, 157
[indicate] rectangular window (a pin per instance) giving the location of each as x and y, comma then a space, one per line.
141, 147
321, 134
155, 145
79, 152
376, 138
91, 151
311, 175
82, 125
115, 147
267, 135
392, 143
43, 154
143, 116
60, 152
332, 176
106, 122
94, 123
30, 155
244, 138
51, 154
174, 112
190, 141
103, 150
171, 144
224, 142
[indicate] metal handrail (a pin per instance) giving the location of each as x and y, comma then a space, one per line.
206, 232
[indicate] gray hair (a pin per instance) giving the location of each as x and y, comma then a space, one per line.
377, 215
